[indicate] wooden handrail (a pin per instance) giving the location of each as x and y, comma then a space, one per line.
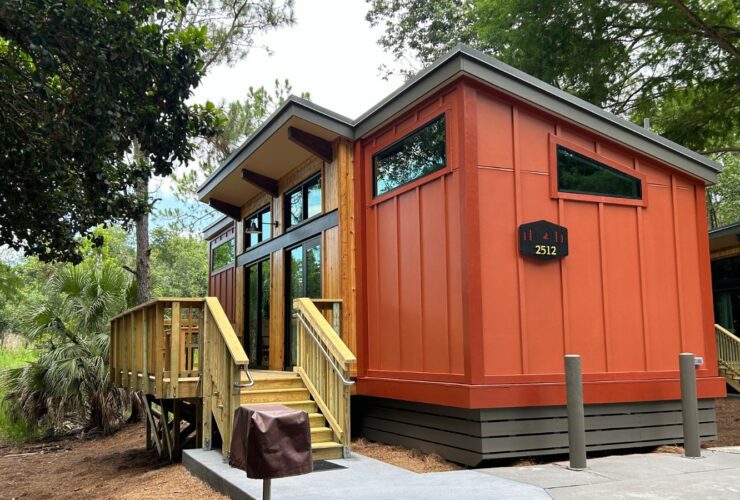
323, 364
727, 332
324, 330
728, 349
238, 355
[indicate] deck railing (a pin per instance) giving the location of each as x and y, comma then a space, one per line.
728, 349
224, 361
324, 365
145, 354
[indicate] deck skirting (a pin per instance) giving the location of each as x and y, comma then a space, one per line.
470, 436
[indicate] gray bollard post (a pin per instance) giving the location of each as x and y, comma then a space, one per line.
690, 406
576, 418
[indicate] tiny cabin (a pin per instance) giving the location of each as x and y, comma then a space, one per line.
460, 238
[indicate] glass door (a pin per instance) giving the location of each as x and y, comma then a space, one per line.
257, 314
304, 280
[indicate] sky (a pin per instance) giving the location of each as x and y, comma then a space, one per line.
331, 52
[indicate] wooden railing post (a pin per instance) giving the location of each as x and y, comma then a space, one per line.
174, 350
159, 350
132, 354
206, 379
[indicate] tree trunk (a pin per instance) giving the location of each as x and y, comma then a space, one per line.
142, 248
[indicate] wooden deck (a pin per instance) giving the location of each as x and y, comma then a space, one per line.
184, 356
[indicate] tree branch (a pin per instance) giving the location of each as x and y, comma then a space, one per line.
708, 31
730, 149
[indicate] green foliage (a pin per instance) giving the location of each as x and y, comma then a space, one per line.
674, 62
70, 379
179, 264
81, 83
13, 429
724, 197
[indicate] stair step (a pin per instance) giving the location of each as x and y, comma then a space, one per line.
326, 451
321, 435
308, 406
317, 420
278, 383
252, 395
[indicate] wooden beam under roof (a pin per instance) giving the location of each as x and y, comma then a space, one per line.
226, 208
312, 143
262, 182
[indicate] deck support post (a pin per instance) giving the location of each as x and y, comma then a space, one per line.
576, 418
690, 406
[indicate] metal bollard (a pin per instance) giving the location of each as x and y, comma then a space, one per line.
690, 406
576, 418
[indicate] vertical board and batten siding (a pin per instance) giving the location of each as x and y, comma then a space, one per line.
412, 252
628, 298
222, 284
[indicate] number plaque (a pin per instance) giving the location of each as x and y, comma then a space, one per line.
543, 240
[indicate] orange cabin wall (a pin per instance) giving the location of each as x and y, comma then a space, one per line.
451, 314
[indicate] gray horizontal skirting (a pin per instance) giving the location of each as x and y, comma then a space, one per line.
472, 436
289, 238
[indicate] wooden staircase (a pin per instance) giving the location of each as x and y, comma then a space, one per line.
287, 388
728, 356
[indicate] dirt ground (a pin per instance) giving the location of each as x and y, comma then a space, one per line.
112, 467
118, 466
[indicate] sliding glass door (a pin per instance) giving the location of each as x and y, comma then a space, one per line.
303, 280
257, 324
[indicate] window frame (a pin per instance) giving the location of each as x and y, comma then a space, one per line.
555, 141
303, 188
232, 239
258, 214
401, 188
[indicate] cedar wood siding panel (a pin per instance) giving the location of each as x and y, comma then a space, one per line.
628, 298
412, 256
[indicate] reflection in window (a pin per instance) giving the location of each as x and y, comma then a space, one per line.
262, 220
223, 255
418, 154
304, 201
578, 173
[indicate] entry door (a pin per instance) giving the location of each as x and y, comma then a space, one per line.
257, 314
304, 280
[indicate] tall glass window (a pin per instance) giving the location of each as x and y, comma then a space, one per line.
418, 154
258, 314
303, 202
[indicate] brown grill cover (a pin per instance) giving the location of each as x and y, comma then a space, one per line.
271, 441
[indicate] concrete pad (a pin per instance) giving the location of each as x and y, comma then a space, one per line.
547, 476
646, 466
727, 449
363, 478
713, 485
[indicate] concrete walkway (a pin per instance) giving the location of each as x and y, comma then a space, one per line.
644, 476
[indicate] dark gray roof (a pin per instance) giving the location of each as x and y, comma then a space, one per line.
463, 60
725, 230
217, 226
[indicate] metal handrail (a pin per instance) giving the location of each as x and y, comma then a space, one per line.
324, 352
249, 377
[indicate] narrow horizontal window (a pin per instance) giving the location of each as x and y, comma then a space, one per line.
580, 174
222, 256
416, 155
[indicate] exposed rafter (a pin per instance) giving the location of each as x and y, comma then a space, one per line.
262, 182
314, 144
225, 208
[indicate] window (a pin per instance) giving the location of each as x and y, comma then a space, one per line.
416, 155
580, 174
222, 256
303, 202
262, 220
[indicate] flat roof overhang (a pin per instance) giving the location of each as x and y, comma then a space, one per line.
724, 237
270, 152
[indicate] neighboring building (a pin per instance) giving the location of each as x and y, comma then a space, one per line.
477, 225
724, 245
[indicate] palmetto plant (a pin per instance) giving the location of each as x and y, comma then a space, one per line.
70, 380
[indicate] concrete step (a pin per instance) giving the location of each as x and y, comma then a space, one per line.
321, 435
326, 451
252, 396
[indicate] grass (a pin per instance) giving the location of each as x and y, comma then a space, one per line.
10, 430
